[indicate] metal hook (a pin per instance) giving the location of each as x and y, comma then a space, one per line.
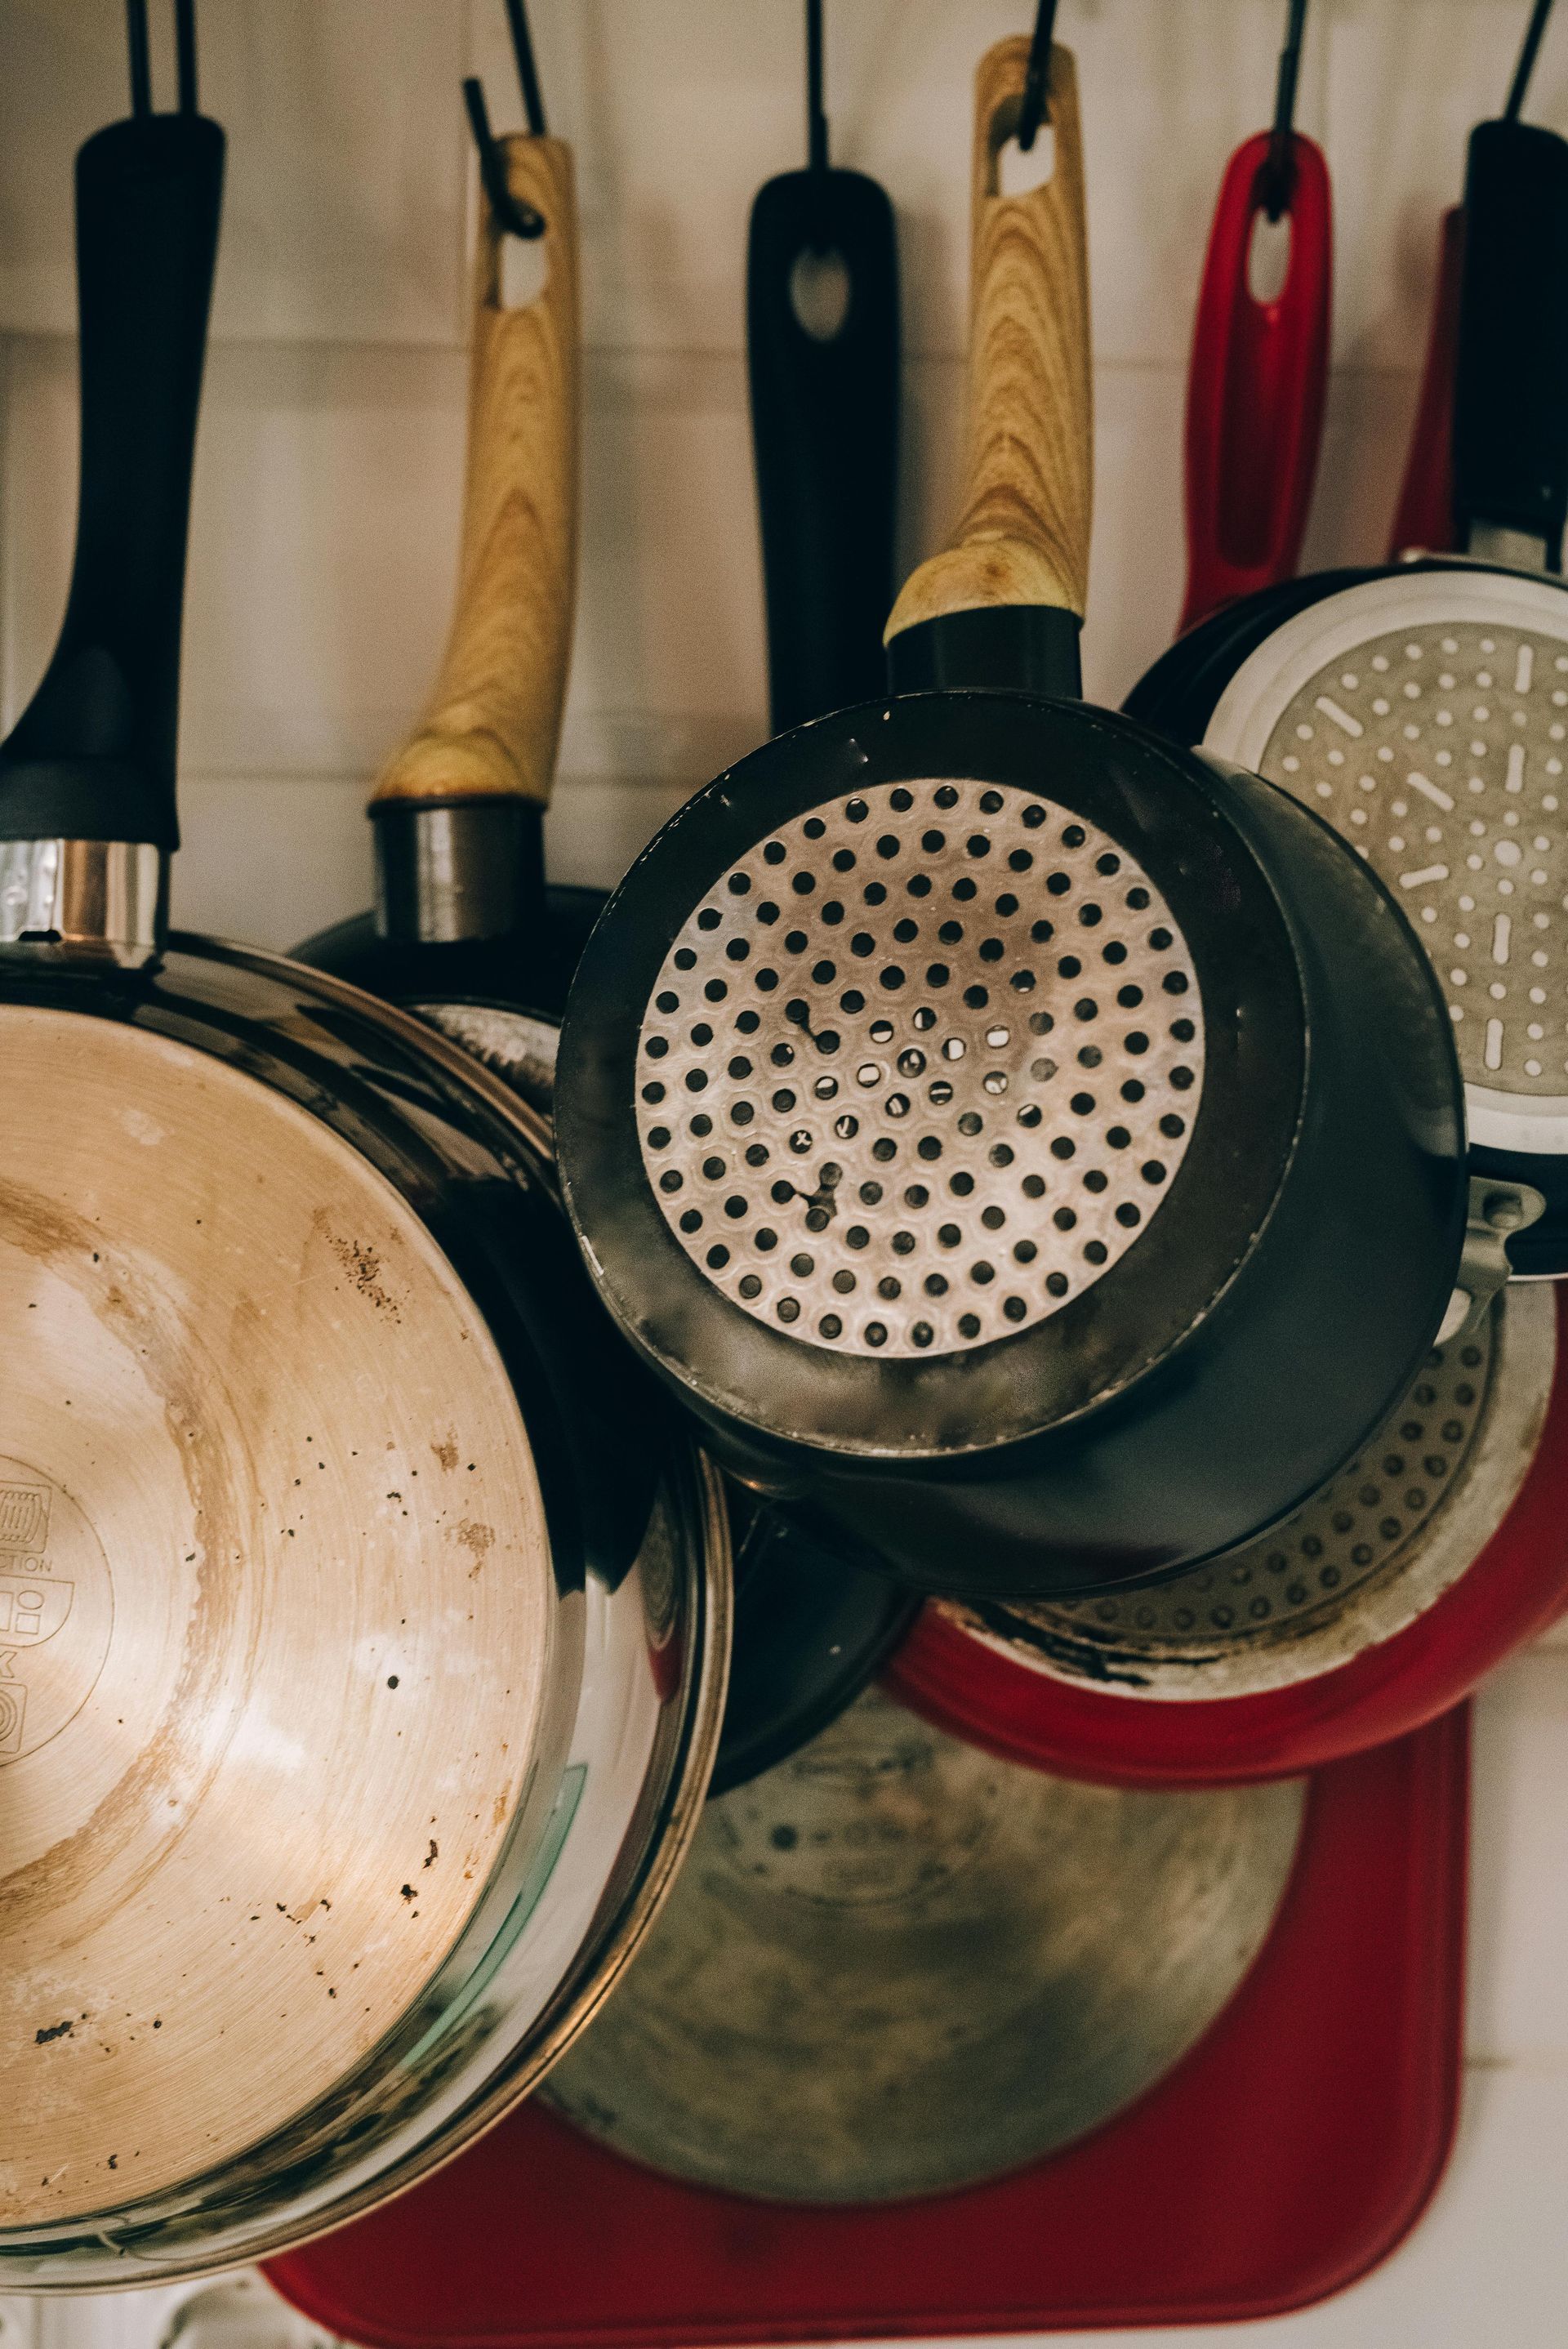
141, 65
512, 218
140, 71
185, 51
1276, 180
1526, 65
1035, 107
816, 119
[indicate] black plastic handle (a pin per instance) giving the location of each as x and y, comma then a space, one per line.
1510, 385
824, 422
93, 755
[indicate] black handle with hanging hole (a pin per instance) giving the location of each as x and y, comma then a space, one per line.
1510, 385
824, 421
92, 756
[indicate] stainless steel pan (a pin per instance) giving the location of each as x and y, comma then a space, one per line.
365, 1617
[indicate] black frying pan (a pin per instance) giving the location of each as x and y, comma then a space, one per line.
970, 1102
456, 814
1419, 708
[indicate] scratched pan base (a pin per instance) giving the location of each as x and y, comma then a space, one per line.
1285, 2156
896, 1965
1438, 1550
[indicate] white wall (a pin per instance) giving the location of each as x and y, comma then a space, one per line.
326, 512
325, 526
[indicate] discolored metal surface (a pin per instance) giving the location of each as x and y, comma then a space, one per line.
519, 1046
895, 1965
1426, 719
1355, 1564
276, 1615
919, 1068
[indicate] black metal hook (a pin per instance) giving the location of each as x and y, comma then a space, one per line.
512, 218
141, 65
1526, 64
185, 53
816, 117
1036, 107
1276, 180
140, 70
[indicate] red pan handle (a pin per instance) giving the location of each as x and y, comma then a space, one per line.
1425, 514
1256, 385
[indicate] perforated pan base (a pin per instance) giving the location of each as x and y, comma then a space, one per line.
1359, 1561
1426, 717
919, 1068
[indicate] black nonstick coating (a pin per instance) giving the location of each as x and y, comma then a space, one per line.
1202, 1385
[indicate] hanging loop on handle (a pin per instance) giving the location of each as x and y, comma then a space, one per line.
491, 727
1022, 539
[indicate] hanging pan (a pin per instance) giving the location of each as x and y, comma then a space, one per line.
1378, 1605
990, 1118
809, 1632
896, 1966
1422, 711
1258, 371
462, 912
364, 1616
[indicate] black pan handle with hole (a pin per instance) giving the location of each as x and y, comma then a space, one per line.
991, 1119
326, 1330
1231, 684
1510, 447
92, 756
822, 344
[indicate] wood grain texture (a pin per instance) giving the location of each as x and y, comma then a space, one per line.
1023, 534
491, 726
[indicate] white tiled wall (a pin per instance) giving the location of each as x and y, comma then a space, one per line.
325, 536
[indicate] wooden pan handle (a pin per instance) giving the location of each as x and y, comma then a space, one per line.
491, 726
1023, 535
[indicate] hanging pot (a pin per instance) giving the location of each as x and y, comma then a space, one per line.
990, 1119
1422, 710
365, 1614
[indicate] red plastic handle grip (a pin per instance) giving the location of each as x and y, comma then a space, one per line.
1425, 514
1256, 385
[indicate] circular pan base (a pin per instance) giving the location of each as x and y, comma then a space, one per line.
896, 1966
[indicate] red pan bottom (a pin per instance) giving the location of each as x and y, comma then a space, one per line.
1287, 2154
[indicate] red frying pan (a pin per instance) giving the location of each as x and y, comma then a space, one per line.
1260, 366
1375, 1607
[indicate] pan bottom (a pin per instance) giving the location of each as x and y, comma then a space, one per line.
895, 1966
